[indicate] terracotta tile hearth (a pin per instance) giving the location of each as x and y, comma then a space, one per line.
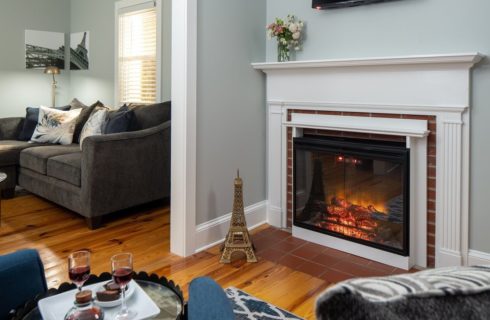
280, 247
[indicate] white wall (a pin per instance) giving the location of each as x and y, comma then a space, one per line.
404, 28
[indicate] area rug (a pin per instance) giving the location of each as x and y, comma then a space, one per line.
247, 307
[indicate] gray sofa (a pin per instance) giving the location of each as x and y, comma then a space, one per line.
113, 172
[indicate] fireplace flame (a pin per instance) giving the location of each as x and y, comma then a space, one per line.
353, 219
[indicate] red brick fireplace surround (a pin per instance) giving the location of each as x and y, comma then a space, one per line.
431, 162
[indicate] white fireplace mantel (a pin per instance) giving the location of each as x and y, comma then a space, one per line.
463, 58
436, 85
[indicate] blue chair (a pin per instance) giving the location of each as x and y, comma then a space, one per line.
207, 301
21, 279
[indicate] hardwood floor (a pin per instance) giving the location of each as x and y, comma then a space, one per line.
283, 276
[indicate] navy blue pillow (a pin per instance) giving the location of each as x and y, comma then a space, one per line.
118, 121
30, 123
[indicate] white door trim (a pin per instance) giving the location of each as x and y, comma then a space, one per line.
184, 78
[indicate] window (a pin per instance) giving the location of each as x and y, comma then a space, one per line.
137, 51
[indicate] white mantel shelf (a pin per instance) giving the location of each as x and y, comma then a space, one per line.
461, 58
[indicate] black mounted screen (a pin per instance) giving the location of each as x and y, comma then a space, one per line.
332, 4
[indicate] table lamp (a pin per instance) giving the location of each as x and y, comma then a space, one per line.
53, 70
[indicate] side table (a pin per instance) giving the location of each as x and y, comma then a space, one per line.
3, 177
167, 296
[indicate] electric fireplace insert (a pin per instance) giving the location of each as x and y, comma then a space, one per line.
353, 189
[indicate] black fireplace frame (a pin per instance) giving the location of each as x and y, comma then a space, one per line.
374, 149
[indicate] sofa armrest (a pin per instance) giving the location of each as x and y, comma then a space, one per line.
125, 169
10, 128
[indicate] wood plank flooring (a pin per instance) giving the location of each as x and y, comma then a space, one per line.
283, 276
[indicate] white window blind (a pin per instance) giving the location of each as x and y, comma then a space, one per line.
137, 56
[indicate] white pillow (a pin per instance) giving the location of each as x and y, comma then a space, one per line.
93, 126
55, 126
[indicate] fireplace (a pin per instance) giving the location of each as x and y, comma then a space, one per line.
354, 189
424, 100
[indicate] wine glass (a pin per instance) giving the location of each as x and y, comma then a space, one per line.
79, 267
122, 272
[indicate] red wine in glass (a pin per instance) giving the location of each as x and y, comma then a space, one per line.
122, 272
79, 267
122, 276
78, 275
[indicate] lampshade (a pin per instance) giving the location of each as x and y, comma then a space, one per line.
52, 70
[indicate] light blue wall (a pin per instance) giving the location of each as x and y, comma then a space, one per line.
230, 104
97, 17
20, 88
97, 83
404, 28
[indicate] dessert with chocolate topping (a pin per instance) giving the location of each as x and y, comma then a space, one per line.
108, 295
112, 292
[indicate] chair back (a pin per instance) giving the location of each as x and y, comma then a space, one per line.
21, 278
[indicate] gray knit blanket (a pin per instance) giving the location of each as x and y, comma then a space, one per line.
445, 293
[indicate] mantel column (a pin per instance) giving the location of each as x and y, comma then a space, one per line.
449, 204
274, 164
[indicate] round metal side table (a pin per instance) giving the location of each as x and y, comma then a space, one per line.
167, 296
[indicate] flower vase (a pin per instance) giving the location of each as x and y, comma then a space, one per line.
282, 53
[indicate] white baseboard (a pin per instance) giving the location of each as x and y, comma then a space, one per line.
213, 232
274, 216
478, 258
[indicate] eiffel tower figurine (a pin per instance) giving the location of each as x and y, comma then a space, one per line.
238, 239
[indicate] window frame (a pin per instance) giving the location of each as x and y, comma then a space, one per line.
126, 4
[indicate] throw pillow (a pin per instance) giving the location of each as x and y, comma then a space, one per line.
118, 121
147, 116
30, 122
94, 125
55, 126
76, 104
82, 119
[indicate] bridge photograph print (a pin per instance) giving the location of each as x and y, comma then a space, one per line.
44, 49
79, 48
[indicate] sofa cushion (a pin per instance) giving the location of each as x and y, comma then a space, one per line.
10, 150
118, 120
77, 104
93, 127
83, 118
55, 126
36, 158
147, 116
30, 122
66, 167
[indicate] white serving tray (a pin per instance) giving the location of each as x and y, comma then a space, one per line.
56, 307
